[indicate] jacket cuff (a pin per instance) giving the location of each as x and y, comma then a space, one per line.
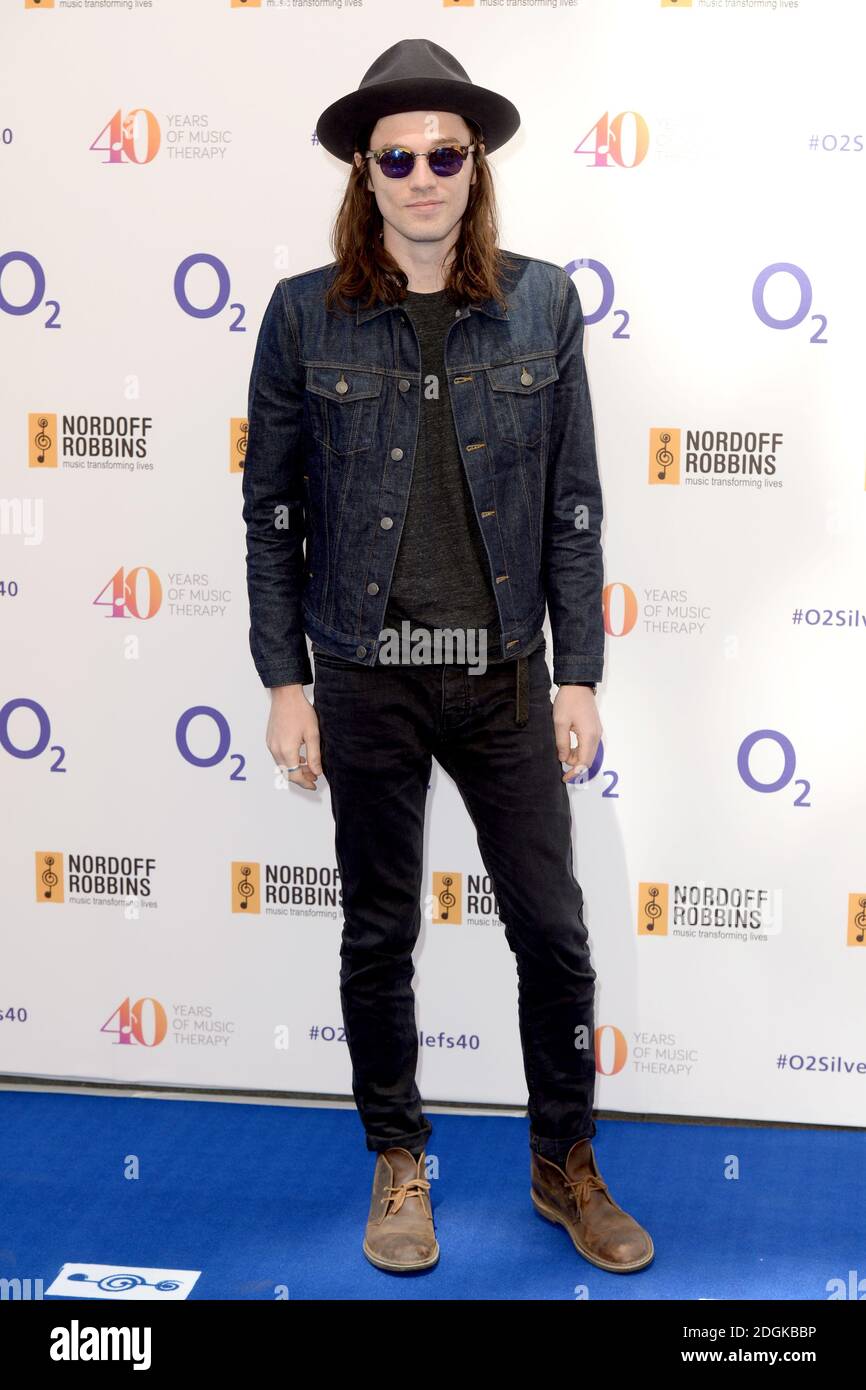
292, 673
569, 670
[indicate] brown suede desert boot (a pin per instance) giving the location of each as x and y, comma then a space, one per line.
399, 1234
578, 1199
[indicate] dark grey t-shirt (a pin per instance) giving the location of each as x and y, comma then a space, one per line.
442, 574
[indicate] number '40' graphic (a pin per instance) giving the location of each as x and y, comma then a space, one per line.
124, 600
130, 1022
121, 133
608, 145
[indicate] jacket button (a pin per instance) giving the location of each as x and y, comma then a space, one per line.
360, 651
396, 453
386, 523
373, 588
526, 377
403, 384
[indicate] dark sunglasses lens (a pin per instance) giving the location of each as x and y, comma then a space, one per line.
396, 164
448, 160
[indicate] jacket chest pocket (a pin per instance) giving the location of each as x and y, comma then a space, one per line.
344, 407
521, 405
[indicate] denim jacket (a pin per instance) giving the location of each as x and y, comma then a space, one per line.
332, 428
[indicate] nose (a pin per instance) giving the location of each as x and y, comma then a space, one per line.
422, 180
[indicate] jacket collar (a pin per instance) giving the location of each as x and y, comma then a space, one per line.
487, 306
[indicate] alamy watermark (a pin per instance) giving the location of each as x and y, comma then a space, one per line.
465, 646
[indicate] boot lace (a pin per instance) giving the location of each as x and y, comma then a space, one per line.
413, 1187
580, 1188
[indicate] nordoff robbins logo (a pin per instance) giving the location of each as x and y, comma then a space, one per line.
75, 1343
422, 646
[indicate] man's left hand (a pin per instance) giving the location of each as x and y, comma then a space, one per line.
575, 708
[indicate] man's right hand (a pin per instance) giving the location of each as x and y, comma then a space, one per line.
292, 723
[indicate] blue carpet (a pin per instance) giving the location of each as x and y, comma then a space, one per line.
259, 1196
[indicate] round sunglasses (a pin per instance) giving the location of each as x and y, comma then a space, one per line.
396, 162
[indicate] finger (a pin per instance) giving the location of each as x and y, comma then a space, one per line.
581, 758
576, 764
575, 774
314, 752
303, 775
286, 758
562, 729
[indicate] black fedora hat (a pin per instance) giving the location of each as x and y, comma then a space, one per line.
415, 75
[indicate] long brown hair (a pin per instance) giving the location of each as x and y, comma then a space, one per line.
476, 269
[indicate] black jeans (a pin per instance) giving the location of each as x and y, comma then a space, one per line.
380, 726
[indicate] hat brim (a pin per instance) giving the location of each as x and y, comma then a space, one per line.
336, 127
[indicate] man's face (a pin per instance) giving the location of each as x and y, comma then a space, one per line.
422, 206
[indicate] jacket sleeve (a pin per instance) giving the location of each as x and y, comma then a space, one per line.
273, 506
571, 560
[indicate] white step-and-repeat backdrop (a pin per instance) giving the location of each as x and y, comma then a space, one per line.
170, 910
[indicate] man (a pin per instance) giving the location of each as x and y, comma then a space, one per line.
419, 421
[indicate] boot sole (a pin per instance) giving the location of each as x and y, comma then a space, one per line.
399, 1268
550, 1214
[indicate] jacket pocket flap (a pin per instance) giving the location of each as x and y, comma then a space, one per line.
524, 377
343, 384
